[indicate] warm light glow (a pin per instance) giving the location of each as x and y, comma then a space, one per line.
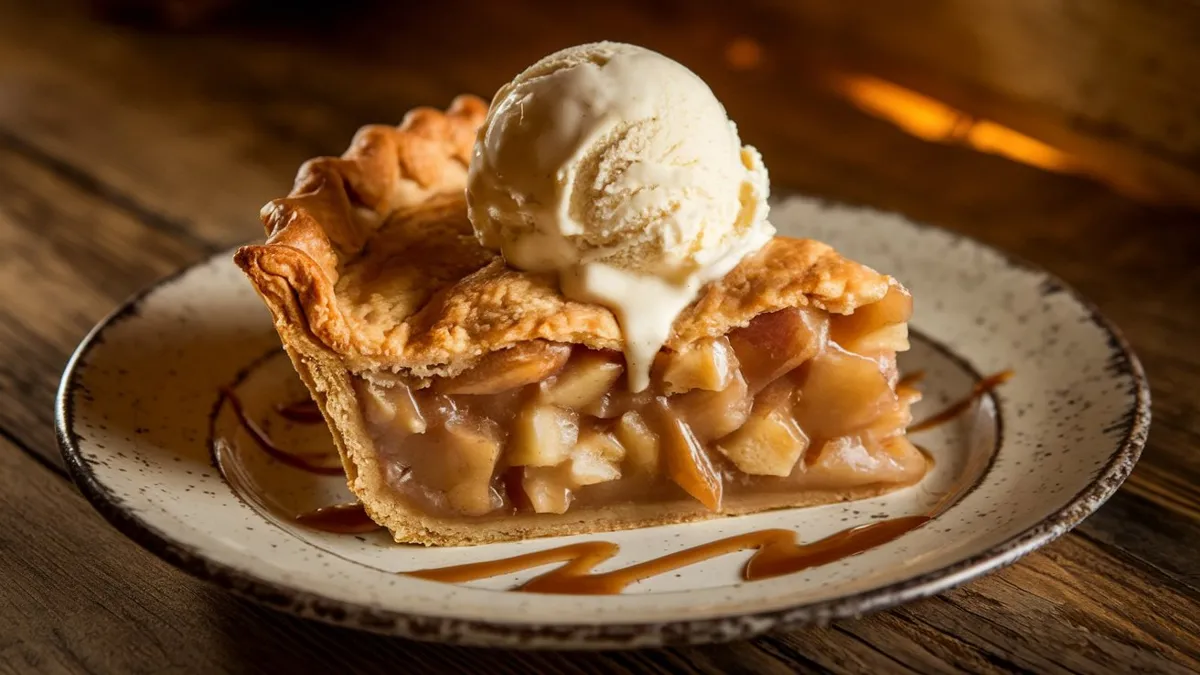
1000, 140
932, 120
743, 53
919, 115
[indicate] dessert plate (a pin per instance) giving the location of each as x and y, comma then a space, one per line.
144, 412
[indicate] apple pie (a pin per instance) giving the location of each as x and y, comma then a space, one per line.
472, 402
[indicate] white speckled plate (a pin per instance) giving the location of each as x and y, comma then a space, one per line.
140, 399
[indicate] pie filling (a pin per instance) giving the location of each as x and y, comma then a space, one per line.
797, 399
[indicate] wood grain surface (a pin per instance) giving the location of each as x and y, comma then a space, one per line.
127, 153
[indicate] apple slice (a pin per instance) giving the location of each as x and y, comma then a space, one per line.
468, 456
775, 343
708, 364
391, 409
596, 458
542, 435
588, 376
910, 463
851, 461
713, 414
770, 442
523, 363
893, 338
547, 489
686, 461
893, 421
642, 446
894, 309
842, 394
843, 461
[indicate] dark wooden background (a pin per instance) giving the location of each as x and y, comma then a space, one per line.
127, 152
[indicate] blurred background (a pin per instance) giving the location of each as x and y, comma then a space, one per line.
1102, 89
1097, 88
140, 136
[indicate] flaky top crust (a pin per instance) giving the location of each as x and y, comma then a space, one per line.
374, 253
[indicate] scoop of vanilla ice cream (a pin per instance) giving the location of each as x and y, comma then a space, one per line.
615, 153
618, 168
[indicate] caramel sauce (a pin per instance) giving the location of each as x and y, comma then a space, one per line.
981, 389
911, 379
349, 518
294, 460
778, 553
300, 412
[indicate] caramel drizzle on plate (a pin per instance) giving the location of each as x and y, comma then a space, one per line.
777, 553
349, 518
300, 412
263, 441
982, 388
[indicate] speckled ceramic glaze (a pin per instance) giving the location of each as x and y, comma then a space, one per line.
139, 405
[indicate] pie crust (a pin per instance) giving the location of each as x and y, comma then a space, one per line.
372, 274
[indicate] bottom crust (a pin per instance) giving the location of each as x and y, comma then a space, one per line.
409, 529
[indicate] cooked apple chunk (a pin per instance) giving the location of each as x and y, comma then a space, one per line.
391, 408
596, 458
892, 421
770, 442
766, 446
467, 461
505, 369
843, 393
895, 308
773, 344
687, 463
542, 435
641, 443
547, 489
850, 461
588, 376
713, 414
893, 338
708, 364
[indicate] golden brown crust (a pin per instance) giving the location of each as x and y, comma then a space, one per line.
336, 204
378, 250
371, 265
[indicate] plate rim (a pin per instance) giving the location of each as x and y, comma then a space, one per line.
288, 598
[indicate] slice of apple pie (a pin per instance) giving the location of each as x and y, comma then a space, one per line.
473, 402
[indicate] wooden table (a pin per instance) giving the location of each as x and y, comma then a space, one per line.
126, 154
